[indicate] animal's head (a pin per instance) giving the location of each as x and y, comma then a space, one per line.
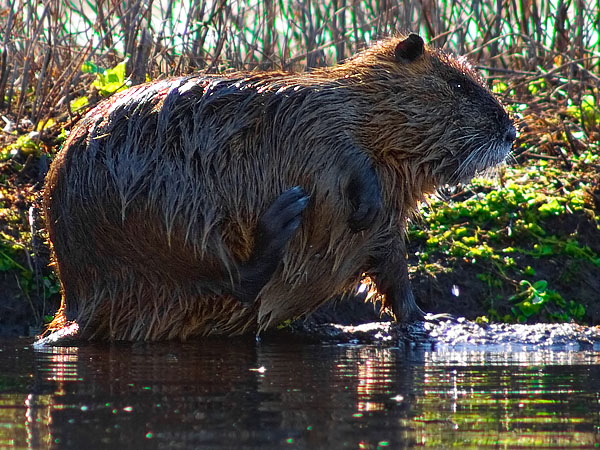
432, 108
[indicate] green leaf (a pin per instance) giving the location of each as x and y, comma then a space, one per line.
538, 299
553, 207
90, 67
79, 103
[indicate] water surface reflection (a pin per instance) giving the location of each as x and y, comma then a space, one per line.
238, 394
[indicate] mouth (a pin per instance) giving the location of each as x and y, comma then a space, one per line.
504, 145
482, 155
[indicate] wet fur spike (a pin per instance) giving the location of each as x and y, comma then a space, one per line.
157, 195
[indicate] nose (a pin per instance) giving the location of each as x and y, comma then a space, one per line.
511, 134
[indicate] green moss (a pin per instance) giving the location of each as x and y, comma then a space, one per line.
27, 144
534, 297
507, 230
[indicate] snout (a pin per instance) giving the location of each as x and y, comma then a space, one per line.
510, 134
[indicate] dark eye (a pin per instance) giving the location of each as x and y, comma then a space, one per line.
457, 85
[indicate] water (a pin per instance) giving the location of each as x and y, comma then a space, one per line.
237, 394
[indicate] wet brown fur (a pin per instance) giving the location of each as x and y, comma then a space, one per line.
159, 189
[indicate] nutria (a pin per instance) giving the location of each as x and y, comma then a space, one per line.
224, 204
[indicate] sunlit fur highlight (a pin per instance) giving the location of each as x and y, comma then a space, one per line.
159, 189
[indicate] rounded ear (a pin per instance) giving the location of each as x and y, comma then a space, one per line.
410, 48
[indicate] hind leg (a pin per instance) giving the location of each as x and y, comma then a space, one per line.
275, 229
391, 278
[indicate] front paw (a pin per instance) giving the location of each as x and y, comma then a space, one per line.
279, 223
275, 229
364, 192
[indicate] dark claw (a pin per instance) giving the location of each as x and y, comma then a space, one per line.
404, 306
280, 221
